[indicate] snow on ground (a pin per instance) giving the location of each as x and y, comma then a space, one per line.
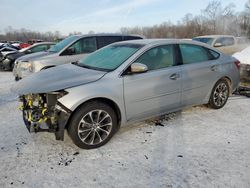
243, 56
197, 147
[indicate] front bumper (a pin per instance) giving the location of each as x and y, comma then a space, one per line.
7, 64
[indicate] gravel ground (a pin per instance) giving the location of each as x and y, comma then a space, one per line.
197, 147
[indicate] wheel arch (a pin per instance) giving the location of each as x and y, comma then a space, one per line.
107, 101
229, 81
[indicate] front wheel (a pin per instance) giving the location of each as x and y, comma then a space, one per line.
219, 95
92, 125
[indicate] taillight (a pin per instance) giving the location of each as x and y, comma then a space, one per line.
237, 64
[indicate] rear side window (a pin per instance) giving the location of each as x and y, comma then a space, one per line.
193, 53
106, 40
225, 41
158, 57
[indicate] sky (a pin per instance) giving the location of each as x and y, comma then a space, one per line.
99, 16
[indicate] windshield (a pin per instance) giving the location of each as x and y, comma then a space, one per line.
110, 57
59, 46
204, 40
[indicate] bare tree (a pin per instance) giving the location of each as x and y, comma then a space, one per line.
247, 5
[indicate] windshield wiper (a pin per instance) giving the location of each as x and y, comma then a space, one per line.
89, 67
80, 65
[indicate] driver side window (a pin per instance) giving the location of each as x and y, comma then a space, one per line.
158, 57
85, 45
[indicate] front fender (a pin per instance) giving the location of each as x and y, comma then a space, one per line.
100, 89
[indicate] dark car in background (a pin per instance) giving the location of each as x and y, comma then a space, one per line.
7, 62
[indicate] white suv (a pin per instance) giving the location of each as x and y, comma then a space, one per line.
68, 50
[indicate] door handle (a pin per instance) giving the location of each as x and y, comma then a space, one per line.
174, 76
213, 68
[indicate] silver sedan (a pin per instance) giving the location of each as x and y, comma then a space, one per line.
123, 83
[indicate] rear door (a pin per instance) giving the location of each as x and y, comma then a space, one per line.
157, 90
199, 73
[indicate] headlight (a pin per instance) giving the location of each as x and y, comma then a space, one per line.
6, 61
27, 66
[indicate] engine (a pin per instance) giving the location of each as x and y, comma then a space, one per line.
39, 112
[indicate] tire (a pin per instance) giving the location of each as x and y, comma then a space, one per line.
219, 95
92, 125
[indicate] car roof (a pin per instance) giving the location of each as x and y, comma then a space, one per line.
107, 34
152, 42
160, 41
41, 43
213, 36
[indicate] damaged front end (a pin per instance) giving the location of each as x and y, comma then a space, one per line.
43, 112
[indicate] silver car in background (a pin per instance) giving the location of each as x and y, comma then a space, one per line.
227, 44
68, 50
123, 83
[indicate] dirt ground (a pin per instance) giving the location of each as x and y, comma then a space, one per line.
197, 147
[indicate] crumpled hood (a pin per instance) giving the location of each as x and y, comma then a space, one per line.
34, 56
55, 79
15, 55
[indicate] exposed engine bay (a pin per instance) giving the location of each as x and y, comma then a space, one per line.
42, 112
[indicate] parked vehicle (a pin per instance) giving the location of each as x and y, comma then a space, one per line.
244, 58
9, 59
24, 45
68, 50
123, 83
33, 41
226, 43
4, 45
6, 48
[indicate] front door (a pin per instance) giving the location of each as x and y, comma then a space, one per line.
157, 90
79, 50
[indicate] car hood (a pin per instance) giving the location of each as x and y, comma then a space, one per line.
34, 56
55, 79
7, 53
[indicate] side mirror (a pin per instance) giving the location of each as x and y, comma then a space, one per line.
217, 45
138, 68
29, 51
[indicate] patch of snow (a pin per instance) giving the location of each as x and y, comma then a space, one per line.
243, 56
196, 147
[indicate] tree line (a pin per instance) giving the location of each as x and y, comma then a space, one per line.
214, 19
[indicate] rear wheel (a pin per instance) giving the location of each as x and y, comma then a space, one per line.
219, 95
92, 125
